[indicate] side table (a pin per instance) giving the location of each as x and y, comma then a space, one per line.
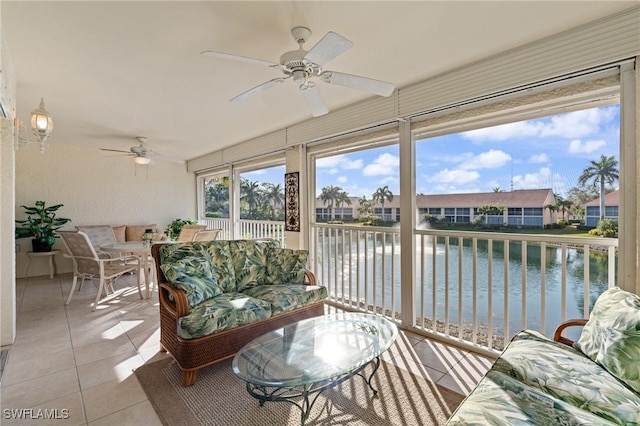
52, 262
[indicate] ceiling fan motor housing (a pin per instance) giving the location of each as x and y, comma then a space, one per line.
295, 64
301, 34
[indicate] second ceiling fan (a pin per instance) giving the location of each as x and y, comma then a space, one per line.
305, 66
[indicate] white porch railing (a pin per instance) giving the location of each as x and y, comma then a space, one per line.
474, 288
246, 229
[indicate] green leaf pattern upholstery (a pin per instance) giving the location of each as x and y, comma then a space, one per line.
250, 259
199, 269
566, 374
233, 283
225, 311
286, 266
611, 337
287, 297
536, 381
501, 400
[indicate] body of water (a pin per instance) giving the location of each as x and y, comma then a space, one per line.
368, 270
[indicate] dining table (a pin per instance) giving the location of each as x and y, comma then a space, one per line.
137, 248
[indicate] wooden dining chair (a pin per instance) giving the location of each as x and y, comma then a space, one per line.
87, 264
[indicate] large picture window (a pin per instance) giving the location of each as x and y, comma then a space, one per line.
533, 173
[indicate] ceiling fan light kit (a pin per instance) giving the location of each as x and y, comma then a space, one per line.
302, 66
141, 154
138, 159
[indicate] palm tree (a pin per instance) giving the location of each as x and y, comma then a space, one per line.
275, 195
601, 173
329, 195
381, 195
365, 205
250, 193
342, 198
552, 208
563, 204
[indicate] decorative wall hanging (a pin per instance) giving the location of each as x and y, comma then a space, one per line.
292, 201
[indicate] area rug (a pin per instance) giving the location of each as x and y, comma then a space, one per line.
220, 398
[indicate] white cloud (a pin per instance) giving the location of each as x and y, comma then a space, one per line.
575, 124
339, 161
449, 189
385, 164
491, 159
576, 146
541, 179
455, 176
332, 171
539, 158
503, 132
342, 179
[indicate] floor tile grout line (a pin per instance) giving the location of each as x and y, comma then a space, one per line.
75, 361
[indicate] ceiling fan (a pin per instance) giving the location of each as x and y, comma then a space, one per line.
141, 154
304, 66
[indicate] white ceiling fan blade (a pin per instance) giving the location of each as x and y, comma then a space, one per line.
370, 85
260, 88
330, 46
114, 150
314, 100
239, 58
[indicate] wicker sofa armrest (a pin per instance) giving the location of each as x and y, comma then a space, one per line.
311, 278
174, 300
557, 335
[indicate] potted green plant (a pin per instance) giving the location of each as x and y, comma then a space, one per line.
41, 224
173, 229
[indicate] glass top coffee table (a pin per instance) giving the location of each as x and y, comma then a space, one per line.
305, 358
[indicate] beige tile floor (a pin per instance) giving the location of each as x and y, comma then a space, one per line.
75, 361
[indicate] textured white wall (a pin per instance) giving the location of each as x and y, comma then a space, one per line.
97, 189
7, 192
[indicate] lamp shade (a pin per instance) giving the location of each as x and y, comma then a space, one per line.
138, 159
41, 121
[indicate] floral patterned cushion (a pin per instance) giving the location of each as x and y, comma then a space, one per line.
567, 375
222, 312
286, 266
250, 259
208, 259
287, 297
611, 337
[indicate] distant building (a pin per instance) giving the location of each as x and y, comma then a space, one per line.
521, 207
592, 208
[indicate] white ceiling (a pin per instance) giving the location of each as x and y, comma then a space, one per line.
110, 71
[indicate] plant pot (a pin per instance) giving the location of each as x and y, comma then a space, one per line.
40, 246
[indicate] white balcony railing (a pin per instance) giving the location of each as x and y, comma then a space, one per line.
474, 288
246, 229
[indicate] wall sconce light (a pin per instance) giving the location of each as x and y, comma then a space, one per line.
41, 124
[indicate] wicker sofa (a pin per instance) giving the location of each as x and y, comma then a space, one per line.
593, 381
217, 296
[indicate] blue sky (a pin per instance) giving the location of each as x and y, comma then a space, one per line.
548, 152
